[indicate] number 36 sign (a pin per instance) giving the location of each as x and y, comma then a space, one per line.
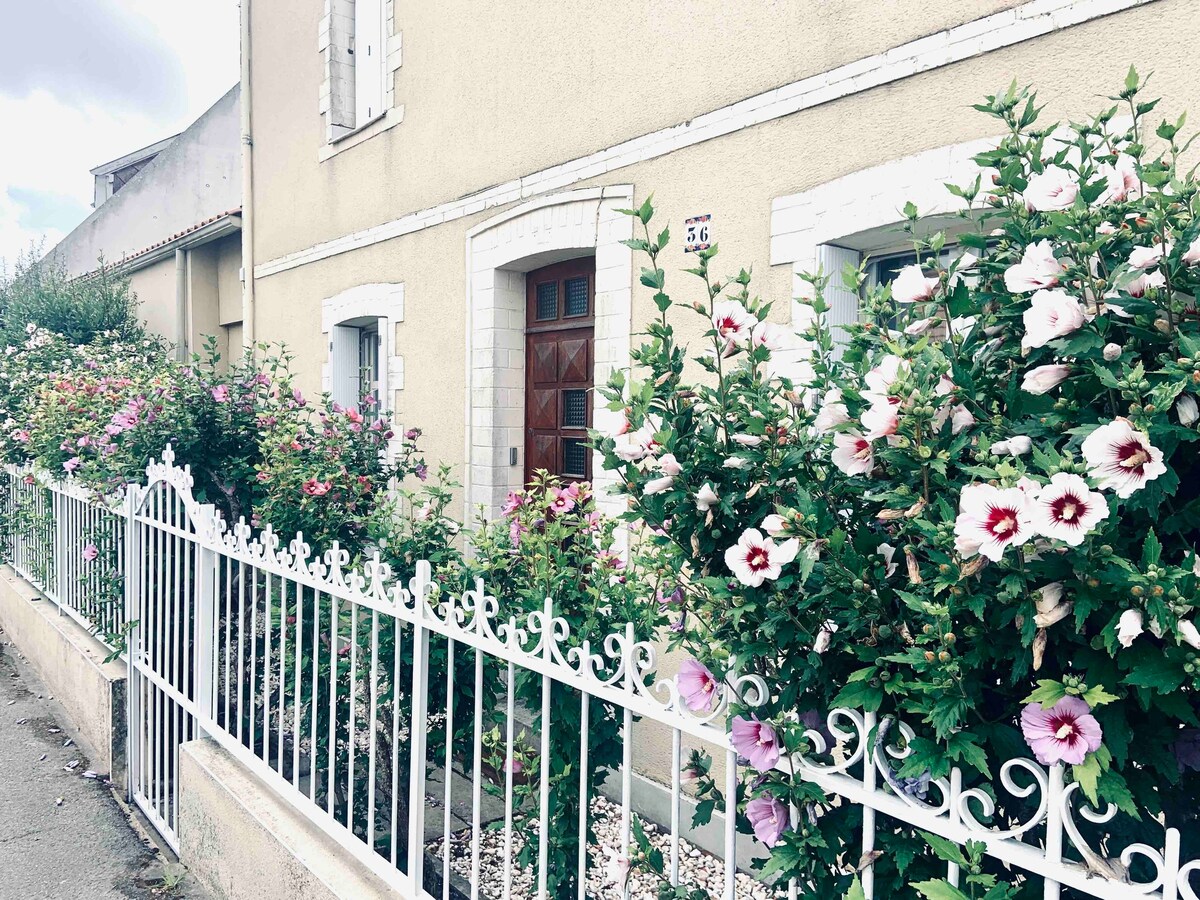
697, 233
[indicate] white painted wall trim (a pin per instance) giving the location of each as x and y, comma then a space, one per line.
498, 254
384, 302
1004, 29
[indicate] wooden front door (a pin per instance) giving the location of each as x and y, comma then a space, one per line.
559, 361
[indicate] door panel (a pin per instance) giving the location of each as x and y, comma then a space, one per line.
560, 359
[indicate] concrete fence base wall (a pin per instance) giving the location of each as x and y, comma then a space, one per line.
71, 663
240, 840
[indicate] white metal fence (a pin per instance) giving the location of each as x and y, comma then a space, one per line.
393, 715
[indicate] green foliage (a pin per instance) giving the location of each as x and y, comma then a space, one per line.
39, 294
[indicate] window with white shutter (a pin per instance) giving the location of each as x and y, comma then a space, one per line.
369, 53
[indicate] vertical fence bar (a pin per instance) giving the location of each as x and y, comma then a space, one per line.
676, 791
731, 786
283, 642
1051, 889
510, 760
584, 703
206, 622
477, 767
418, 727
371, 729
313, 705
298, 667
350, 716
449, 768
870, 776
58, 554
952, 869
544, 769
395, 747
331, 762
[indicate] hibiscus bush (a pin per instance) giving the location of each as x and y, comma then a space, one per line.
977, 515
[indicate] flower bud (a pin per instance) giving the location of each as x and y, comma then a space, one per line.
1112, 352
1186, 409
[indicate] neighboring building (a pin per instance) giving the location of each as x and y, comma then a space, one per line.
169, 215
436, 185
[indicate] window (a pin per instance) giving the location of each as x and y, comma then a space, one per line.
360, 50
354, 347
368, 60
884, 268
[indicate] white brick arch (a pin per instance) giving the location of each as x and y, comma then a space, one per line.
499, 253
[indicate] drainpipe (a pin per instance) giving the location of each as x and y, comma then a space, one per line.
247, 187
181, 305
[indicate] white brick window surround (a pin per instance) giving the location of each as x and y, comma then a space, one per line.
840, 221
499, 253
360, 49
345, 319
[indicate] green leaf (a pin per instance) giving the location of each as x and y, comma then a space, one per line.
1151, 549
1087, 773
1098, 696
945, 848
940, 890
856, 891
1047, 693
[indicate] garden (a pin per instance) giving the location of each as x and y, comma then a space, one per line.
963, 540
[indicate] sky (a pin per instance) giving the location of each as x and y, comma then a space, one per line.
83, 82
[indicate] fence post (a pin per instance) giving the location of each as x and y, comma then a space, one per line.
58, 544
204, 668
133, 637
417, 728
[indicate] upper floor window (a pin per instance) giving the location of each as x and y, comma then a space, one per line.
360, 58
368, 50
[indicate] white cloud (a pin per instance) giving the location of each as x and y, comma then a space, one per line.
54, 135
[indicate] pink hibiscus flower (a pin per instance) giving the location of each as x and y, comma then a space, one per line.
756, 741
1065, 733
697, 685
769, 818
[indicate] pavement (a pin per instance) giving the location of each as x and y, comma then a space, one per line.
63, 834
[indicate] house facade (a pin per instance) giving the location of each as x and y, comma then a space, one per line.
436, 186
169, 216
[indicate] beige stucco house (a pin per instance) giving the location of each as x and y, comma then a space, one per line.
419, 170
169, 216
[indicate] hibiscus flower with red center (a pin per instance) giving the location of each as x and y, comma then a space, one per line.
991, 519
1122, 458
1065, 733
1068, 509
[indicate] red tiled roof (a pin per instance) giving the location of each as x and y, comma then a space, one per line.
179, 234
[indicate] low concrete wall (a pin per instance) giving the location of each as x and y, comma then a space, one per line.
239, 840
71, 663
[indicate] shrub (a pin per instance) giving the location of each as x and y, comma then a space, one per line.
40, 293
979, 519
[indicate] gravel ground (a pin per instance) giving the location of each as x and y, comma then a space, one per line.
62, 832
697, 868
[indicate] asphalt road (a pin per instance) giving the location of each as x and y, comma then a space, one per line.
63, 836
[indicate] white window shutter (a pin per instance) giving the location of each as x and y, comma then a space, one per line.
368, 60
843, 302
344, 368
